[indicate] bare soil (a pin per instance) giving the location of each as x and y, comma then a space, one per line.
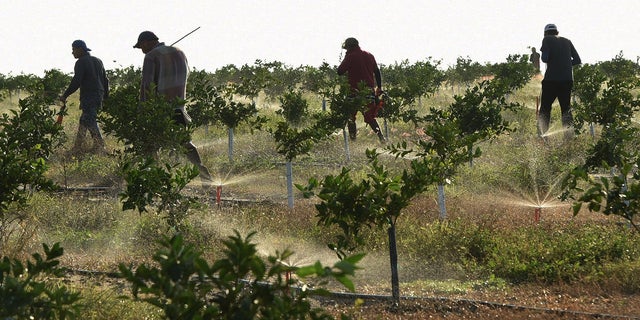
519, 302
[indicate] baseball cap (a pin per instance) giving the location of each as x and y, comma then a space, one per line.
145, 36
550, 27
80, 44
349, 43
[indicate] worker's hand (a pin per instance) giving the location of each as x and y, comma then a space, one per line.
378, 91
63, 99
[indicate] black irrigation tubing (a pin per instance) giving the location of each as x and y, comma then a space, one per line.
93, 273
83, 189
313, 164
225, 200
388, 298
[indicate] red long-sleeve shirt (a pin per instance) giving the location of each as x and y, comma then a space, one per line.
360, 65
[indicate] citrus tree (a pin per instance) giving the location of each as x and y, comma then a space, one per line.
405, 84
378, 200
615, 190
292, 137
240, 285
28, 136
148, 131
24, 294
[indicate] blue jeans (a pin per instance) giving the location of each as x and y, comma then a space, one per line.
88, 118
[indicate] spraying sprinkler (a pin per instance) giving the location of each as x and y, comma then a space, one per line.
287, 276
218, 194
537, 212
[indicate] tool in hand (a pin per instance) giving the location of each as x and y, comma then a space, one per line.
194, 30
61, 112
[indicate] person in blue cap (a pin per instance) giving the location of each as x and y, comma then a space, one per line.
90, 77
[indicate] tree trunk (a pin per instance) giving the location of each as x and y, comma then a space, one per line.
393, 258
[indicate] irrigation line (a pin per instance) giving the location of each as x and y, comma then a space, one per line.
93, 273
83, 189
378, 297
311, 164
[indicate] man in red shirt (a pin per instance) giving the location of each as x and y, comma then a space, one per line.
360, 66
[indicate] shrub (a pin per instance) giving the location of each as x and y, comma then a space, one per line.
569, 254
25, 295
185, 286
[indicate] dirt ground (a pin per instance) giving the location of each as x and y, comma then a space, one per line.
529, 301
520, 302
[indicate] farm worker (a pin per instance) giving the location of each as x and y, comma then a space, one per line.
534, 58
90, 77
360, 66
165, 70
560, 56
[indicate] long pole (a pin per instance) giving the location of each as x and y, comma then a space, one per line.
186, 35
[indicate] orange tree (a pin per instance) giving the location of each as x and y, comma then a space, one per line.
240, 285
147, 129
28, 137
614, 152
378, 200
407, 83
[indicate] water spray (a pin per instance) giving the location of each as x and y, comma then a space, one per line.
287, 277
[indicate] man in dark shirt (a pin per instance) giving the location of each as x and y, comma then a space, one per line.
560, 56
90, 77
534, 58
360, 66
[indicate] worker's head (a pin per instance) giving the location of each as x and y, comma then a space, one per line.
79, 48
350, 43
550, 29
146, 41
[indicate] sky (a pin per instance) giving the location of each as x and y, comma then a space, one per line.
37, 34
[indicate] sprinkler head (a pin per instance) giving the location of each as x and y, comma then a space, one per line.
218, 194
536, 214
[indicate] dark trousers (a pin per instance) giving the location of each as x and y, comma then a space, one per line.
552, 90
183, 118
